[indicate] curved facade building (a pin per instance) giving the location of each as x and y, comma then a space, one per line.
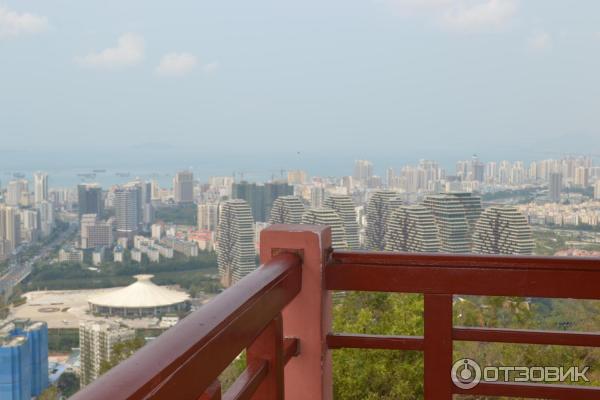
455, 215
379, 208
287, 210
503, 230
140, 299
236, 254
412, 229
328, 217
343, 205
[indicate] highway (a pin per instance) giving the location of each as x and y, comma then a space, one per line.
17, 272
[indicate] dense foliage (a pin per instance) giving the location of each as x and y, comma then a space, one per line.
63, 340
374, 374
369, 374
182, 214
68, 384
194, 274
120, 352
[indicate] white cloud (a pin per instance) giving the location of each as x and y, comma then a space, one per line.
540, 41
460, 15
487, 15
176, 64
13, 24
129, 51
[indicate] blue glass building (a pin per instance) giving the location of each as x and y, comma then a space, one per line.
23, 359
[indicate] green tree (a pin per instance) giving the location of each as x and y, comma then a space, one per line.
120, 352
374, 374
51, 393
68, 384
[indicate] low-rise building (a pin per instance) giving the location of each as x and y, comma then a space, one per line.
153, 254
136, 255
119, 254
98, 256
70, 255
187, 248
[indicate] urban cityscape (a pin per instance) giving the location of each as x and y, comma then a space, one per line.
306, 200
78, 263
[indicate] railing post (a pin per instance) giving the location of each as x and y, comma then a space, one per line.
269, 347
438, 347
308, 316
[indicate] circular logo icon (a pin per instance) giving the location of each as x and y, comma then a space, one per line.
466, 373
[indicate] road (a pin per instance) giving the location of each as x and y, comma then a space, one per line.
18, 271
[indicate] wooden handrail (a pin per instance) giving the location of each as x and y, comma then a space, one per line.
186, 360
441, 276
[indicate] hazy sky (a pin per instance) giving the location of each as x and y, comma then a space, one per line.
293, 82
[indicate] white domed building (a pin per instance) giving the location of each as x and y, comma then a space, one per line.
142, 298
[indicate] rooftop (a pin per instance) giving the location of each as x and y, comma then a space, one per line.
141, 294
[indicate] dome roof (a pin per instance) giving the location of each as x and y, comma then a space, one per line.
141, 294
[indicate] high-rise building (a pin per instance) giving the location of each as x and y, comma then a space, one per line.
328, 217
363, 171
24, 359
344, 206
477, 171
15, 368
273, 190
555, 186
183, 187
89, 197
208, 216
503, 230
296, 177
10, 227
597, 190
40, 187
95, 233
97, 340
17, 192
236, 255
582, 177
46, 213
317, 196
455, 216
145, 207
261, 197
412, 228
29, 224
379, 207
287, 210
127, 210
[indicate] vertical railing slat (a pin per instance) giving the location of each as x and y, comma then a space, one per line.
438, 347
269, 347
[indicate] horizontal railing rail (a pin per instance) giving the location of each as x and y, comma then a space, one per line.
185, 362
441, 276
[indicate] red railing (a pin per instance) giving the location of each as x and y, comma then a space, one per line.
185, 361
438, 278
284, 309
